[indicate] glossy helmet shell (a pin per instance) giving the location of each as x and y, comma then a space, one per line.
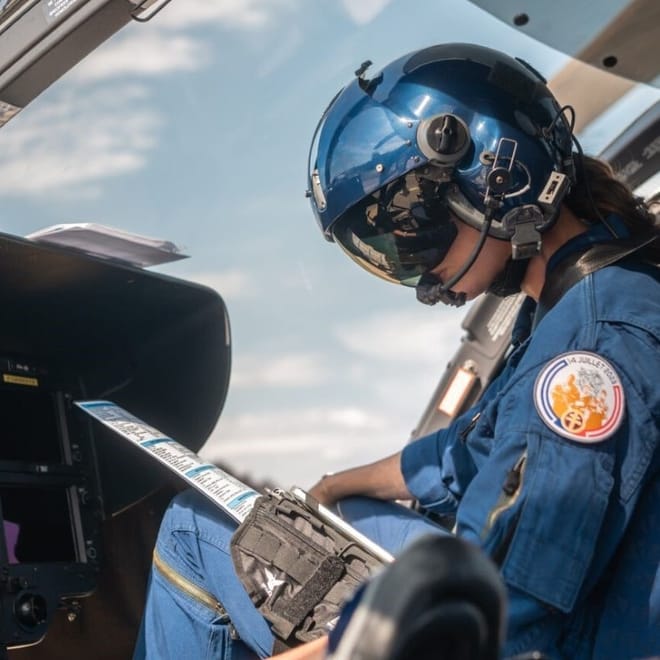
374, 131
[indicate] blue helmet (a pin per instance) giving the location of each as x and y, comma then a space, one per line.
454, 130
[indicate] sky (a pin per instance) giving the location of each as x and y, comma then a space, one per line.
195, 128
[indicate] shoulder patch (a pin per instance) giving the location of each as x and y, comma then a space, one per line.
579, 396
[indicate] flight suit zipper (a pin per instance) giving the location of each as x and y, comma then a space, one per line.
189, 588
508, 497
469, 428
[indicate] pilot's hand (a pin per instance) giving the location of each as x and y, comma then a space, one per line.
311, 651
382, 480
321, 491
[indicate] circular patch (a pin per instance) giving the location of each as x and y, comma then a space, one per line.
579, 396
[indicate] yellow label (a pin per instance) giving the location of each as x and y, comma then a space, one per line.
20, 380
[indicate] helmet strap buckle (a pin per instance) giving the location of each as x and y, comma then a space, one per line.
523, 223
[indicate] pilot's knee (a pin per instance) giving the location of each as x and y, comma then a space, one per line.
192, 527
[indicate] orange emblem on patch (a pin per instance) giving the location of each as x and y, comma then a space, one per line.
579, 395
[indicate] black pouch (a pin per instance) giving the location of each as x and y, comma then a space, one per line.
297, 569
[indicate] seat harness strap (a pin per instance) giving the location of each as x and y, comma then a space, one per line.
576, 266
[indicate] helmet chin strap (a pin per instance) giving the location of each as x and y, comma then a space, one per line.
431, 290
510, 279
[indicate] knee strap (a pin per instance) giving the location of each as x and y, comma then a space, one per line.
296, 568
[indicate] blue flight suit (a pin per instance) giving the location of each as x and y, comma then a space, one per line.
570, 521
577, 543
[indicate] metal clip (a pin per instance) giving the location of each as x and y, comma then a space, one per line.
141, 6
500, 178
317, 191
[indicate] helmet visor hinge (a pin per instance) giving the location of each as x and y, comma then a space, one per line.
444, 139
317, 191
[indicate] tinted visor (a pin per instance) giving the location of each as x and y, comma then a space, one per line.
399, 232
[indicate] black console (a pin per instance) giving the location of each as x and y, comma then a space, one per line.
50, 505
80, 327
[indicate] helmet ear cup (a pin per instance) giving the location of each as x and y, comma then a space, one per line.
443, 138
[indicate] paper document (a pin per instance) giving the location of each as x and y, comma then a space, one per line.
108, 242
231, 495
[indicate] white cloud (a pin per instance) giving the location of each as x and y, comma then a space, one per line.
166, 45
400, 359
138, 54
364, 11
297, 446
288, 370
56, 149
243, 14
293, 423
55, 146
353, 418
402, 336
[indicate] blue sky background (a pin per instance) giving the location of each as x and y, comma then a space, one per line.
195, 128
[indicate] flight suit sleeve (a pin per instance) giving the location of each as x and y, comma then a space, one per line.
538, 504
437, 468
572, 446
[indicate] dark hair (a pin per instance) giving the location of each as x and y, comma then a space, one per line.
598, 193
